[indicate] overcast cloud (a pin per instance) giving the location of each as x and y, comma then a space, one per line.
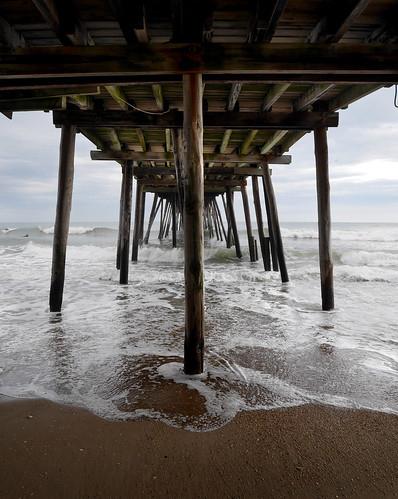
363, 154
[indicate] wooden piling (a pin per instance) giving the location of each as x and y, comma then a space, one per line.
230, 205
174, 220
62, 218
152, 216
193, 223
142, 218
324, 218
270, 195
228, 239
220, 219
126, 222
249, 231
120, 221
260, 225
137, 219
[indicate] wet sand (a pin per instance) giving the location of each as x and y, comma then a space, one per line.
55, 451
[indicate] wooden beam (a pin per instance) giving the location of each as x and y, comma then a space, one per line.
273, 141
351, 95
118, 96
171, 181
142, 171
173, 119
131, 18
208, 157
247, 142
192, 21
265, 20
47, 93
113, 140
338, 21
63, 20
324, 219
233, 96
61, 226
225, 141
9, 36
193, 225
312, 94
273, 94
308, 60
47, 104
158, 95
167, 189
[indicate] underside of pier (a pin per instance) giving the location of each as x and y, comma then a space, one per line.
191, 98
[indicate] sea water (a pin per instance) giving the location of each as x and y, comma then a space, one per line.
117, 350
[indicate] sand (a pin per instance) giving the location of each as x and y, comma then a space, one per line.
54, 451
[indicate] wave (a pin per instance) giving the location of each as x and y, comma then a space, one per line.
7, 230
383, 234
370, 259
78, 231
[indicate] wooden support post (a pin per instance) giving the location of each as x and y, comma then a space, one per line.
154, 211
174, 220
64, 204
246, 208
324, 220
137, 218
161, 219
220, 219
260, 226
120, 220
142, 218
271, 234
228, 239
193, 224
126, 222
273, 209
230, 205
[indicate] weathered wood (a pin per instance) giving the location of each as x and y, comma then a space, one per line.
324, 219
137, 219
272, 242
313, 94
193, 224
209, 157
178, 154
274, 120
233, 96
131, 18
270, 195
228, 239
142, 217
152, 216
9, 36
126, 223
220, 219
121, 204
273, 141
174, 221
309, 60
231, 211
260, 224
247, 142
273, 94
249, 231
61, 226
265, 20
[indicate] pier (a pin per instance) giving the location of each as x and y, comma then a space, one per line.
195, 100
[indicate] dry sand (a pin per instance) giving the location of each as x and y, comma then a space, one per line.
54, 451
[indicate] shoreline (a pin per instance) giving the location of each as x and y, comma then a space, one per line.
51, 450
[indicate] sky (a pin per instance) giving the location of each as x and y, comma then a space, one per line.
363, 159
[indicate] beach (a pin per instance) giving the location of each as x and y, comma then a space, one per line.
50, 450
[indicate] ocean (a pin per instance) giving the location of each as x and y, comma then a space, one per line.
117, 350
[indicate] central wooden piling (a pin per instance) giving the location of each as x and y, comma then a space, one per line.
249, 231
324, 219
193, 224
61, 226
126, 222
230, 205
137, 221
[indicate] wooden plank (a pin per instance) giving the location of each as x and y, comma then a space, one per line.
324, 218
309, 60
208, 157
173, 119
225, 141
247, 142
61, 226
193, 225
158, 95
351, 95
142, 171
118, 96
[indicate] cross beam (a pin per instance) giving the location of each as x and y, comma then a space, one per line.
174, 119
208, 157
146, 59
